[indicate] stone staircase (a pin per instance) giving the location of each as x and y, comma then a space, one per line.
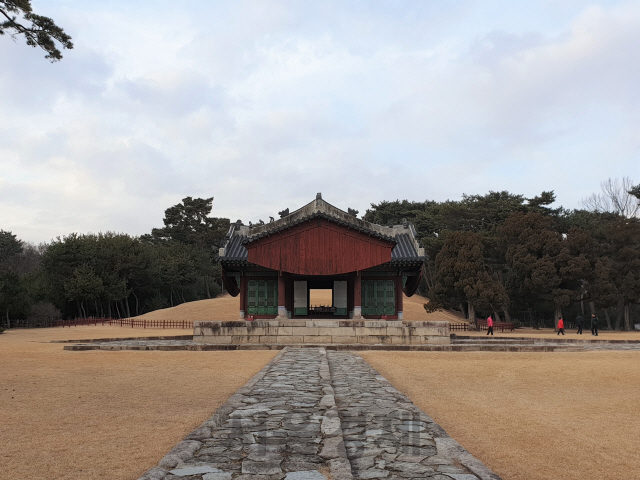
513, 344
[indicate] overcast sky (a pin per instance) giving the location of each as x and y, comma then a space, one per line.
263, 104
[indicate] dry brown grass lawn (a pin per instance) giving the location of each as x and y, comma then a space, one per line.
110, 415
530, 416
227, 308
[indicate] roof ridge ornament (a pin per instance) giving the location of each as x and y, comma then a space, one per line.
284, 213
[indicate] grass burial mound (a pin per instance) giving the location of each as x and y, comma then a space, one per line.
227, 308
105, 415
530, 416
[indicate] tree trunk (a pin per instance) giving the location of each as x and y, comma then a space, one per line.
558, 316
171, 296
534, 323
117, 309
472, 314
462, 310
109, 308
137, 303
627, 322
507, 316
84, 314
126, 303
8, 321
619, 314
606, 315
427, 275
206, 285
592, 306
496, 316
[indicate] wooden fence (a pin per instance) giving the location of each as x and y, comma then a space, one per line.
459, 327
502, 326
29, 323
125, 322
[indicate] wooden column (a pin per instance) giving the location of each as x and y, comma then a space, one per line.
282, 306
357, 298
243, 296
399, 297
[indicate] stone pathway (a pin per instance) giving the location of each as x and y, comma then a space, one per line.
386, 435
313, 414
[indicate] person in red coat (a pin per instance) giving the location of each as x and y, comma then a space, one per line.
489, 325
560, 326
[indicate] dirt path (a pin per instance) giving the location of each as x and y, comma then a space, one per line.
112, 415
566, 416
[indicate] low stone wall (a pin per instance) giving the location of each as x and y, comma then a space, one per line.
291, 332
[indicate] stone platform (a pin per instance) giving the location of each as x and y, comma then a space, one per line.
322, 331
458, 344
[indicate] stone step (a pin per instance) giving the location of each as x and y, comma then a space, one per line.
480, 340
467, 347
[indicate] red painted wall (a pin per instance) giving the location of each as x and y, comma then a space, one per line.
319, 247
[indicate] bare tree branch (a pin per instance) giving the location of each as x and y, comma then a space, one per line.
616, 197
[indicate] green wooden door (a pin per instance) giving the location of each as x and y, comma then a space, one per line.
378, 297
262, 297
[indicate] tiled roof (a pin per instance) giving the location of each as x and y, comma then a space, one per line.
320, 209
406, 249
234, 249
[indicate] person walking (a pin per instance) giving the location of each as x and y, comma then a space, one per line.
560, 326
594, 324
490, 325
579, 323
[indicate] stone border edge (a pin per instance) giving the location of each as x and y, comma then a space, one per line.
333, 449
121, 339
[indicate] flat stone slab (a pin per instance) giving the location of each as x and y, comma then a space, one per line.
194, 470
305, 475
218, 476
313, 414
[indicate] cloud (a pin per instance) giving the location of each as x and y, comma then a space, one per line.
264, 104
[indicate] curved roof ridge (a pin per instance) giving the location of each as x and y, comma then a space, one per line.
320, 208
406, 249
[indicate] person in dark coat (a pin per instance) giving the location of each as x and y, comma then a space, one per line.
579, 323
594, 325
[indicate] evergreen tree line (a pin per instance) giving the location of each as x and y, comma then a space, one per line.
515, 258
113, 274
520, 260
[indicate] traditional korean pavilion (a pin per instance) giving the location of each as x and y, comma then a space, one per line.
273, 266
